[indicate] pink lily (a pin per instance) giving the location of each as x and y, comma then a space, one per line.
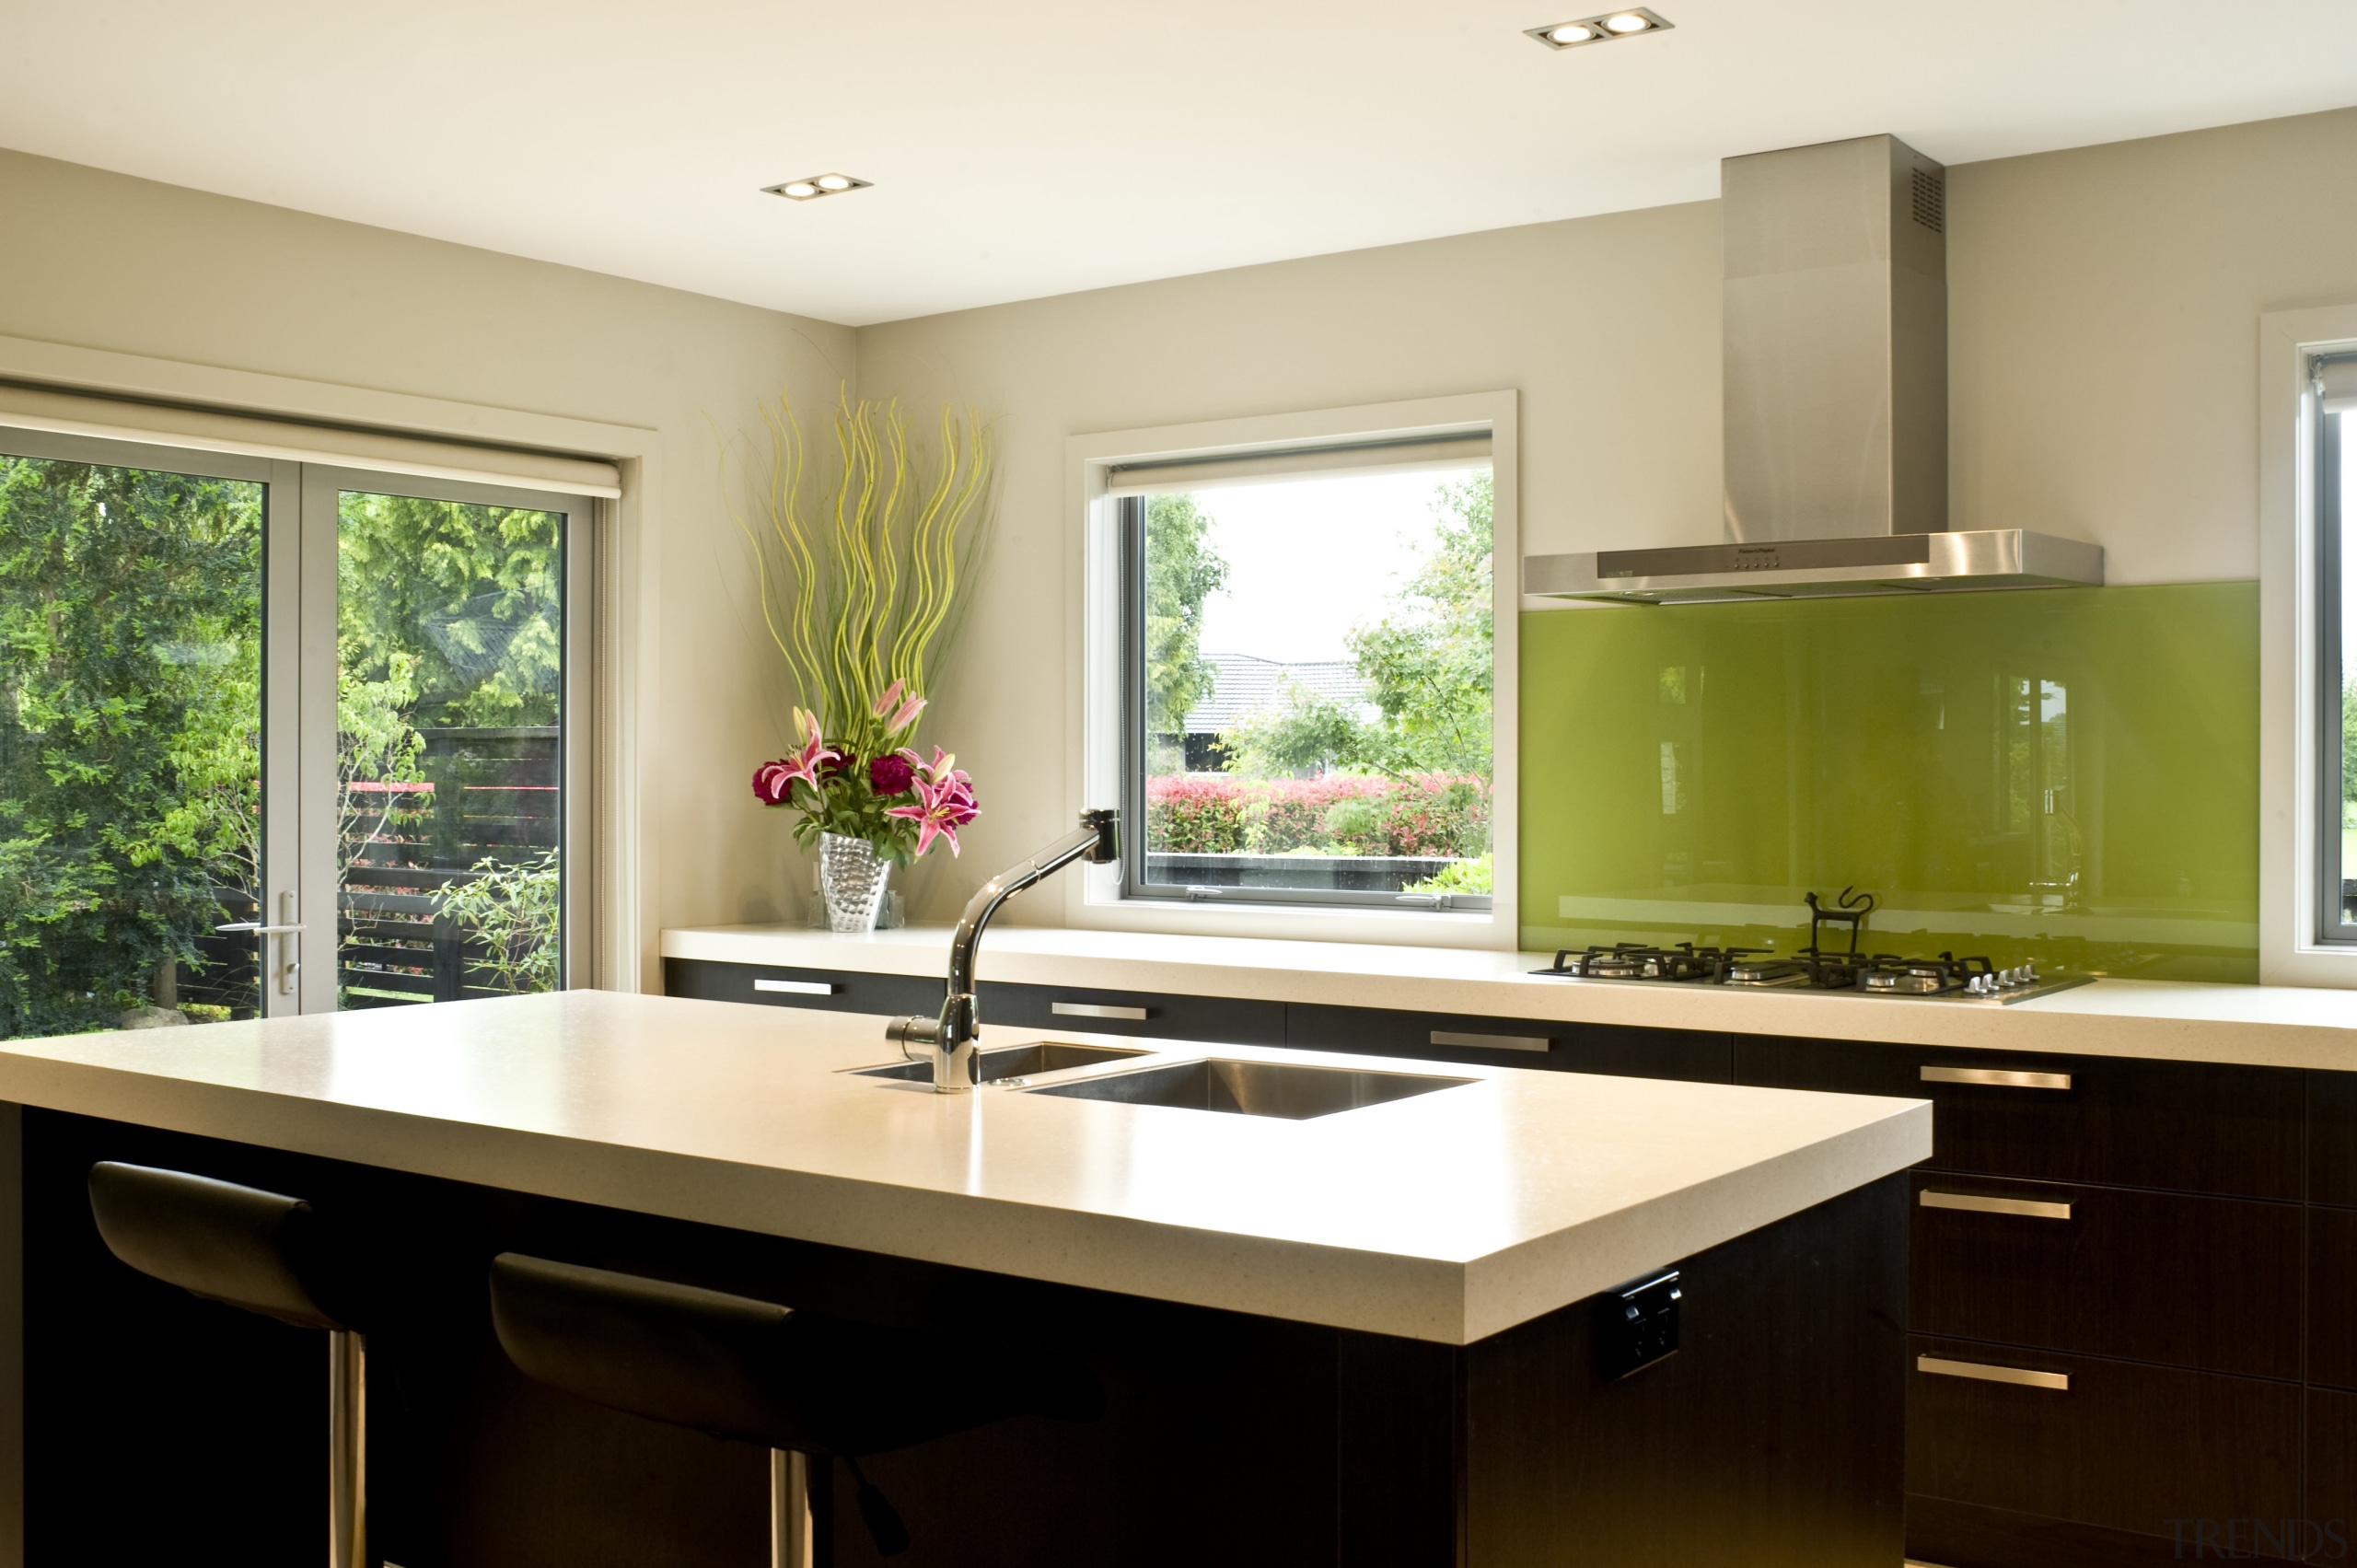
945, 804
773, 781
906, 712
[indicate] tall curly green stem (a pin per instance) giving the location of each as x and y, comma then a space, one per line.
865, 568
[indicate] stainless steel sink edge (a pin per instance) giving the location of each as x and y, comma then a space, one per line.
1119, 1059
1282, 1091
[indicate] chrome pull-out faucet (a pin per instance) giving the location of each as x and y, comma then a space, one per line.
947, 1042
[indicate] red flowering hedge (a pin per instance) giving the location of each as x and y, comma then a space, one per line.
1431, 815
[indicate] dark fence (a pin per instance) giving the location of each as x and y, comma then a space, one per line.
229, 965
490, 792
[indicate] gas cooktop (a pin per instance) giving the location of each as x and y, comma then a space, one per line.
1815, 967
1945, 978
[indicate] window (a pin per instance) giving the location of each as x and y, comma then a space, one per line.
2335, 492
241, 692
1308, 705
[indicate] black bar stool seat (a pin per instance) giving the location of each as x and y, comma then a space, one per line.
762, 1372
270, 1254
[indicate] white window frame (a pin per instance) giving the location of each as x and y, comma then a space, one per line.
2290, 766
1093, 900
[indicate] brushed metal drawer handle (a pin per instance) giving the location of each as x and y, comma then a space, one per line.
2020, 1376
1493, 1042
1096, 1010
1973, 1202
1997, 1077
798, 987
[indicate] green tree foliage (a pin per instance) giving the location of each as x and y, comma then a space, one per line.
1183, 569
2347, 751
130, 638
469, 593
510, 911
1427, 662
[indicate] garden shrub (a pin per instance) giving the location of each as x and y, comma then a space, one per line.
1433, 815
1194, 816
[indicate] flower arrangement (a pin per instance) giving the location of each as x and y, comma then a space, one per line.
892, 800
863, 566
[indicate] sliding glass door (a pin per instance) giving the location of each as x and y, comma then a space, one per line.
449, 777
277, 737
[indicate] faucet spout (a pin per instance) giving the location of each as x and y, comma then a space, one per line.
949, 1041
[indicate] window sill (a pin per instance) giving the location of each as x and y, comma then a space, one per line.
1491, 928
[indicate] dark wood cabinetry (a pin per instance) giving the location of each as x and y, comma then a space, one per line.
2174, 1242
2189, 1126
2119, 1445
2332, 1141
2107, 1271
2332, 1297
830, 991
1157, 1015
2332, 1474
1572, 1048
1224, 1441
1468, 1038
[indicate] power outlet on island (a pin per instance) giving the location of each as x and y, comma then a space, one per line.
1637, 1325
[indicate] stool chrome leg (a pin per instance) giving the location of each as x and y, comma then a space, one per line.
347, 1451
790, 1534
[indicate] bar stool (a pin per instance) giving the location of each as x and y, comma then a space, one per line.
800, 1385
266, 1253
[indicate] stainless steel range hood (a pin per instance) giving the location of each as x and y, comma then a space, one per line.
1835, 402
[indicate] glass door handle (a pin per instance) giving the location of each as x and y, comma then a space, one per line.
287, 926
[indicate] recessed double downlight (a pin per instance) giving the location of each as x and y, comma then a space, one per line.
1606, 28
816, 186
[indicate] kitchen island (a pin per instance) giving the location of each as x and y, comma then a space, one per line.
2131, 1249
1367, 1337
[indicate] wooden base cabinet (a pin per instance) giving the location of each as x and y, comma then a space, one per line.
2125, 1298
2125, 1447
1770, 1438
2174, 1278
2176, 1242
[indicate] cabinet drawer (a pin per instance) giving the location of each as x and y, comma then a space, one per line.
2332, 1474
2125, 1447
833, 991
2332, 1298
2207, 1283
1215, 1020
1570, 1048
2192, 1126
2332, 1142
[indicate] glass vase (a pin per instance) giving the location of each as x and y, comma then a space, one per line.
851, 880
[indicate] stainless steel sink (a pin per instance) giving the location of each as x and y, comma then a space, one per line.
1252, 1088
1012, 1062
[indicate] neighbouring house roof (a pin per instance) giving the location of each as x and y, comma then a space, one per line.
1245, 683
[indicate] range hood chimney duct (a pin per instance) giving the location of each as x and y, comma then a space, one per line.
1835, 395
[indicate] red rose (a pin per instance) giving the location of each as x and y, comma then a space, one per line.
890, 775
773, 781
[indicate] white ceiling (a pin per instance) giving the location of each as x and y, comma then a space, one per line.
1029, 147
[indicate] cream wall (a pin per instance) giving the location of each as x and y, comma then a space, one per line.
1608, 326
2102, 303
102, 262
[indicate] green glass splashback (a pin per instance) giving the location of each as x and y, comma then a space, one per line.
2070, 775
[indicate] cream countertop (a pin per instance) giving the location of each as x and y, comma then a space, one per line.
2265, 1026
1447, 1216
